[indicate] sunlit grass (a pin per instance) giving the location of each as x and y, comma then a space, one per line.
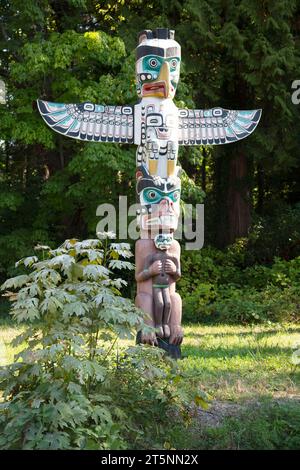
237, 363
231, 362
8, 332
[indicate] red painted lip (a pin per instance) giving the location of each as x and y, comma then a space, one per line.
154, 88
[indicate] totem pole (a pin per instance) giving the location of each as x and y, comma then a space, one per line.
157, 127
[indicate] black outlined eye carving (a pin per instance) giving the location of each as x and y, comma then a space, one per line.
153, 63
152, 195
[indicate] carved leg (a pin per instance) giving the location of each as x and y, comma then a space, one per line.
176, 331
153, 154
167, 312
158, 310
145, 302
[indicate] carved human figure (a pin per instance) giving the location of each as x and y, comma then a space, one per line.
157, 270
165, 266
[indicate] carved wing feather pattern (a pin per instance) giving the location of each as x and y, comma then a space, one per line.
215, 126
90, 122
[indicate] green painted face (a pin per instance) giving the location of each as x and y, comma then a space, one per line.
152, 64
154, 196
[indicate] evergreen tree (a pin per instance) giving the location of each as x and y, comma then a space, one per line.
241, 54
238, 55
51, 186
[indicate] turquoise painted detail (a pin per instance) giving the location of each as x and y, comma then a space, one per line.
238, 128
245, 113
56, 105
99, 108
58, 113
154, 196
65, 121
242, 119
230, 132
153, 63
73, 125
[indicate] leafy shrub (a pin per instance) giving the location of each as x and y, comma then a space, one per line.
72, 386
215, 287
249, 305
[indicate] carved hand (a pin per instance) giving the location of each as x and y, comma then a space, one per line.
149, 338
155, 268
170, 267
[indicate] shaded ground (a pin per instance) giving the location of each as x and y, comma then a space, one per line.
214, 417
246, 371
219, 411
253, 386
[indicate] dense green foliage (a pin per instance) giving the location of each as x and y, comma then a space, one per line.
219, 286
235, 54
37, 166
72, 386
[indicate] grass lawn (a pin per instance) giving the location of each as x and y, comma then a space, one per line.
238, 363
255, 388
8, 331
247, 372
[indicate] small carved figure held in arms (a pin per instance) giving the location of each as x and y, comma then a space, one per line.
161, 268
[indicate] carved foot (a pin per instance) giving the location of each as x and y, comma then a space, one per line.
159, 331
166, 331
176, 335
157, 180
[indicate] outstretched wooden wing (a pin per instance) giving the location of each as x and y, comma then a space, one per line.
89, 121
215, 126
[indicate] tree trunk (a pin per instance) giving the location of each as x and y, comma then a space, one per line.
260, 188
239, 214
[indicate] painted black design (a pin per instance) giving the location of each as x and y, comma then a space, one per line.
215, 126
90, 122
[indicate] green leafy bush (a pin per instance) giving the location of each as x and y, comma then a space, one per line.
217, 288
249, 305
72, 386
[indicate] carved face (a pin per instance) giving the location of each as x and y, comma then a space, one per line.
163, 241
159, 200
158, 64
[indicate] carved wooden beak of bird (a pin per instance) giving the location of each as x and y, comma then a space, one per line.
162, 86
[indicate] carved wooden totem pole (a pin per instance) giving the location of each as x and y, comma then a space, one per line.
157, 127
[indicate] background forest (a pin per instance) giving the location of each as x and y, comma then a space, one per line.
238, 55
71, 376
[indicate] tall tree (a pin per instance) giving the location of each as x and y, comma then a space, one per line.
241, 54
50, 186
